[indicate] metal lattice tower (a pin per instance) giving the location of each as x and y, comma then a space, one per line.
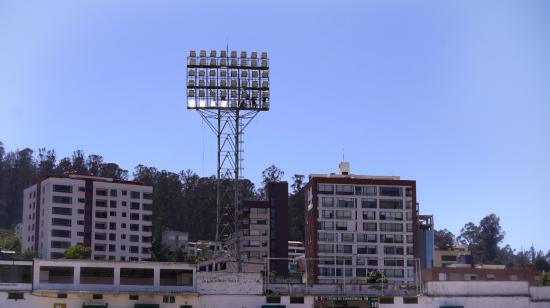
228, 92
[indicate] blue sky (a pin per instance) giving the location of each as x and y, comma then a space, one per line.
452, 94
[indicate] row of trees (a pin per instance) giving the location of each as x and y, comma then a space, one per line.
484, 240
186, 201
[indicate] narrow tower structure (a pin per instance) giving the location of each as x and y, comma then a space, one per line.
228, 90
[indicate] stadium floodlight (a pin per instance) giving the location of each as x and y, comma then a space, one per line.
228, 90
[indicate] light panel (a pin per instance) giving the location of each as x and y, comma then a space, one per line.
228, 80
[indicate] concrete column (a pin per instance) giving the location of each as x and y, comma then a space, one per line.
156, 278
116, 276
76, 281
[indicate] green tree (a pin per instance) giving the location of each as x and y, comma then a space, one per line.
9, 240
272, 174
444, 238
483, 240
77, 252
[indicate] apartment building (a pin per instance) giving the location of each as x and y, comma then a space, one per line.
296, 249
264, 227
356, 224
111, 216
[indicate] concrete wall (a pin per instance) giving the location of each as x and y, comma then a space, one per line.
229, 283
477, 288
540, 294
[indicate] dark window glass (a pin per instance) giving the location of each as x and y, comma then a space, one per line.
62, 199
62, 188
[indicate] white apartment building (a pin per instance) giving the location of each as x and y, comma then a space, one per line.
111, 216
357, 224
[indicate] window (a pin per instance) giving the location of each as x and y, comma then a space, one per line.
391, 238
149, 207
346, 203
410, 300
343, 214
168, 299
391, 191
327, 202
100, 225
369, 215
393, 262
135, 194
325, 225
61, 233
100, 214
112, 226
62, 199
60, 244
81, 200
346, 237
393, 250
134, 227
326, 189
341, 225
97, 296
326, 271
81, 188
409, 227
100, 236
325, 237
114, 192
62, 188
123, 203
124, 192
372, 250
61, 222
296, 299
361, 272
386, 300
101, 203
134, 238
112, 204
327, 214
326, 248
365, 190
369, 238
369, 203
135, 297
408, 191
81, 211
147, 196
134, 205
15, 295
112, 213
61, 295
391, 227
101, 192
134, 216
384, 215
372, 262
344, 189
394, 273
391, 204
134, 249
62, 210
273, 299
448, 258
369, 226
343, 248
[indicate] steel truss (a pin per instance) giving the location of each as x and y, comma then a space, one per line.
228, 125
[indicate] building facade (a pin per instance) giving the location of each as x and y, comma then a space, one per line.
357, 224
175, 240
112, 217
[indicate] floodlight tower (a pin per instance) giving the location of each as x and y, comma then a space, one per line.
228, 91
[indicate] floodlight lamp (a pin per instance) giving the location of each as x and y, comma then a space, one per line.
224, 104
254, 55
264, 55
212, 53
223, 54
233, 53
243, 54
203, 53
213, 104
192, 53
202, 103
191, 103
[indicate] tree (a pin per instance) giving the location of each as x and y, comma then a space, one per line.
9, 240
78, 163
483, 240
540, 263
296, 212
94, 164
77, 252
444, 238
46, 162
272, 174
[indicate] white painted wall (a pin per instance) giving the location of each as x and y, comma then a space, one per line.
229, 283
477, 288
